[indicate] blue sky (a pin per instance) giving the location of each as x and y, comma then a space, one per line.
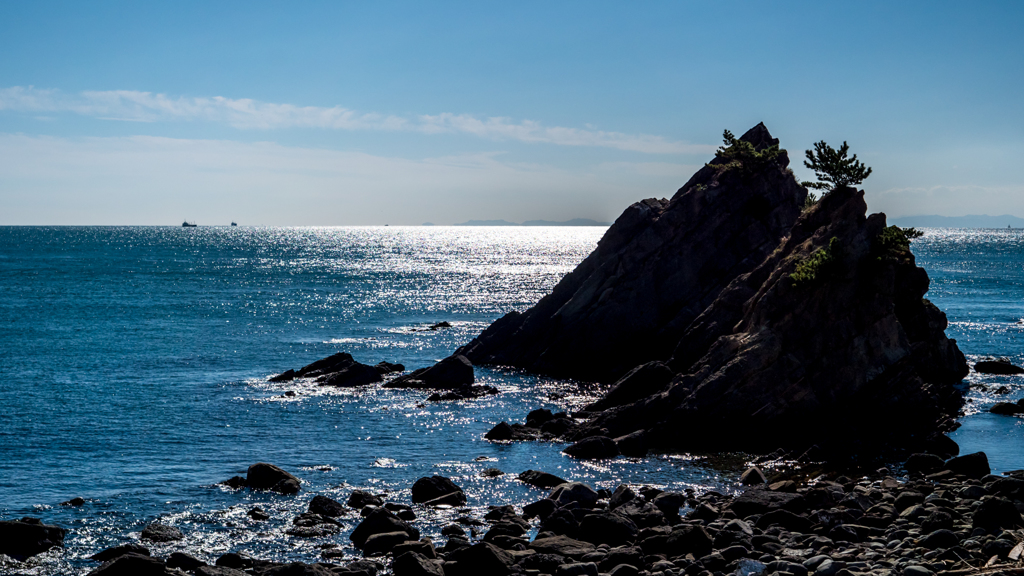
340, 113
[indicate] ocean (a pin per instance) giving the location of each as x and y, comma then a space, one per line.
135, 364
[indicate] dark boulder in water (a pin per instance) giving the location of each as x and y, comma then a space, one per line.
593, 447
27, 537
778, 323
380, 521
453, 372
263, 476
156, 532
997, 366
340, 370
540, 479
388, 367
325, 506
430, 489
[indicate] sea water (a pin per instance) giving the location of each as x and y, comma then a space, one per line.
135, 362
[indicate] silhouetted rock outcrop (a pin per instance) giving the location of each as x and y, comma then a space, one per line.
732, 317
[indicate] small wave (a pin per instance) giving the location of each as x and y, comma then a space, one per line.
386, 463
349, 340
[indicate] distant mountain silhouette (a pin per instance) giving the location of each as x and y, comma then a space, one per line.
970, 221
573, 222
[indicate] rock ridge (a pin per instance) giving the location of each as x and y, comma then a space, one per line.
732, 316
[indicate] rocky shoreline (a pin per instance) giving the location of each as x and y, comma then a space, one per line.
735, 316
949, 517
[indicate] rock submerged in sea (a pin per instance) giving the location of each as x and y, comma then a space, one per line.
1001, 366
694, 311
340, 370
263, 476
451, 373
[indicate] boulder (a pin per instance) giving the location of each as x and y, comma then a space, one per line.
940, 539
382, 543
688, 539
1006, 408
491, 473
482, 558
414, 564
431, 488
607, 528
574, 492
502, 431
133, 565
996, 512
594, 447
577, 569
453, 372
971, 465
218, 571
778, 323
360, 499
753, 477
759, 501
156, 532
235, 560
21, 539
633, 444
350, 376
114, 552
540, 479
639, 383
184, 561
263, 476
380, 521
562, 546
389, 368
997, 366
325, 506
620, 496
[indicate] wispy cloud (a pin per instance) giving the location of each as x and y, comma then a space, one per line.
135, 106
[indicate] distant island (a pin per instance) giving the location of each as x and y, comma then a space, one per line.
573, 222
970, 221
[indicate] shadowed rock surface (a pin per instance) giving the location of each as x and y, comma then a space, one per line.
709, 314
27, 537
655, 270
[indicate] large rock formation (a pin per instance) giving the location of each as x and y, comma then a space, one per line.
733, 317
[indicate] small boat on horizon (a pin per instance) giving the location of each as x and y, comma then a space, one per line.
187, 224
234, 224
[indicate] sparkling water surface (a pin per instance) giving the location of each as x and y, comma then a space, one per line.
135, 365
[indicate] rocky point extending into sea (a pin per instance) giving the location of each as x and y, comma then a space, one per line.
734, 316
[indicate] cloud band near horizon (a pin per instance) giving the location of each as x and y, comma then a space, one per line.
248, 114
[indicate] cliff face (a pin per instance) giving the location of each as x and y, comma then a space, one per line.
757, 324
658, 267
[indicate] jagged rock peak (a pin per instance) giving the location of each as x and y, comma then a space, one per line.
732, 316
659, 265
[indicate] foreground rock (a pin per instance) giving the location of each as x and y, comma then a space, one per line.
21, 539
731, 317
951, 517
